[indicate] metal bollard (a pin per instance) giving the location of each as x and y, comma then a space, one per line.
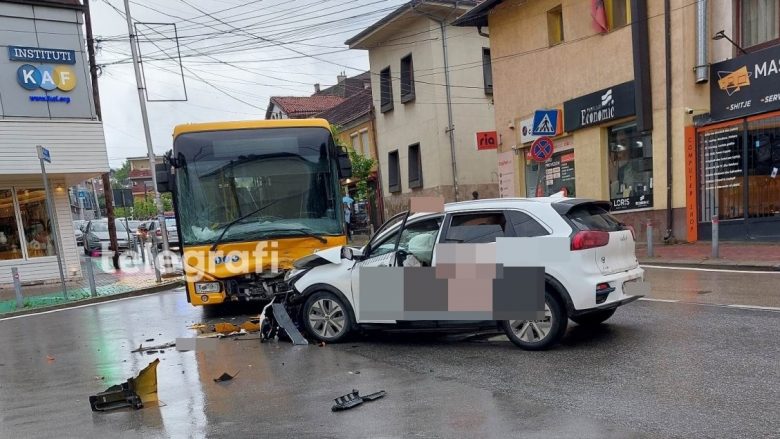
91, 279
715, 244
143, 250
17, 288
154, 261
650, 239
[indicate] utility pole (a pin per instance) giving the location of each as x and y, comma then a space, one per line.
108, 195
147, 131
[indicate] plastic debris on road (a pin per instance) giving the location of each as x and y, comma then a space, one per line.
135, 392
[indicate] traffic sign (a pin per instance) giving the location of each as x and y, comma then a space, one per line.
542, 149
487, 140
546, 123
44, 154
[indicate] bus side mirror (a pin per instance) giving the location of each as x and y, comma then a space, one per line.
345, 164
163, 171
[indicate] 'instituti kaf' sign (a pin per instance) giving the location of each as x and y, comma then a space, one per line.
57, 75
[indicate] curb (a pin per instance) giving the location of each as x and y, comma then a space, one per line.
712, 266
91, 300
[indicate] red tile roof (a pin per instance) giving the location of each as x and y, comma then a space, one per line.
350, 110
304, 106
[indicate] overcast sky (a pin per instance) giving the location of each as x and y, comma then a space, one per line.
235, 55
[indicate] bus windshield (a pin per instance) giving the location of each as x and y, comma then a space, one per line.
284, 180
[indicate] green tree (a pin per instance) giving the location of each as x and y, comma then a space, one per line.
361, 167
121, 176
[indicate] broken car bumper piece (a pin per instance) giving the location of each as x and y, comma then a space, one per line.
353, 399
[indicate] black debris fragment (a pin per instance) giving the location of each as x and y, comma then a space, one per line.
354, 399
225, 377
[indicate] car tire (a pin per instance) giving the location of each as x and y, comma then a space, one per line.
593, 318
538, 335
326, 317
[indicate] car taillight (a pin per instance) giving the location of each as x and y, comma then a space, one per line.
589, 239
159, 232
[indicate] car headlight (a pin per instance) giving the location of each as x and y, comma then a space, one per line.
207, 287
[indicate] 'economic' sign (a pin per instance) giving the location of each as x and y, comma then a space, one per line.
599, 107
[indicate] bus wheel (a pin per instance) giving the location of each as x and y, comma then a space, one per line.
326, 318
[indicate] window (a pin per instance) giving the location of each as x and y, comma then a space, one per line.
418, 240
386, 90
487, 70
407, 79
555, 25
479, 228
758, 21
25, 229
366, 143
394, 172
353, 141
618, 13
10, 245
415, 166
525, 226
630, 168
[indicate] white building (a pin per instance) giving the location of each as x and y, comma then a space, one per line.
420, 126
45, 99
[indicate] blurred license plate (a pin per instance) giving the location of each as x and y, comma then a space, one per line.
636, 287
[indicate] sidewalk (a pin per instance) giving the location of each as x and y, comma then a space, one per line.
738, 255
134, 277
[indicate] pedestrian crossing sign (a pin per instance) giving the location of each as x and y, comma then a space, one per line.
547, 123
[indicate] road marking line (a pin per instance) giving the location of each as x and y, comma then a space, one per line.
720, 305
73, 307
764, 308
710, 269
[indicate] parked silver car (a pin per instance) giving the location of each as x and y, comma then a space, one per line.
96, 237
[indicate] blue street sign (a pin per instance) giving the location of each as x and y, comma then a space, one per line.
545, 123
44, 154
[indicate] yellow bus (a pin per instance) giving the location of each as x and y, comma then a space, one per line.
250, 198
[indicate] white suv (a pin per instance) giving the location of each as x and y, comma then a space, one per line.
586, 285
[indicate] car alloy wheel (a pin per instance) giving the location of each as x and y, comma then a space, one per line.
533, 331
536, 335
326, 318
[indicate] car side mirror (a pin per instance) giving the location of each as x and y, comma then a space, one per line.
346, 253
163, 171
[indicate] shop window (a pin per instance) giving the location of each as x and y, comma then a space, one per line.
35, 222
10, 246
630, 168
407, 79
555, 25
393, 172
618, 13
487, 70
721, 173
759, 21
553, 176
365, 142
763, 171
385, 90
415, 166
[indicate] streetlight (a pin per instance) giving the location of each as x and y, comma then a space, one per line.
721, 35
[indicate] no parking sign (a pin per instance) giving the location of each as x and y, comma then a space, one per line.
542, 149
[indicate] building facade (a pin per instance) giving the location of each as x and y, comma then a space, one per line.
45, 99
427, 121
140, 177
638, 111
354, 120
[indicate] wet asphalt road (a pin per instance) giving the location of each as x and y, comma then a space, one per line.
656, 370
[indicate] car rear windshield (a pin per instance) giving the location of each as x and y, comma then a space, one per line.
594, 217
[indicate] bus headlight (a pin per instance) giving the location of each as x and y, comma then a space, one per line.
207, 287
